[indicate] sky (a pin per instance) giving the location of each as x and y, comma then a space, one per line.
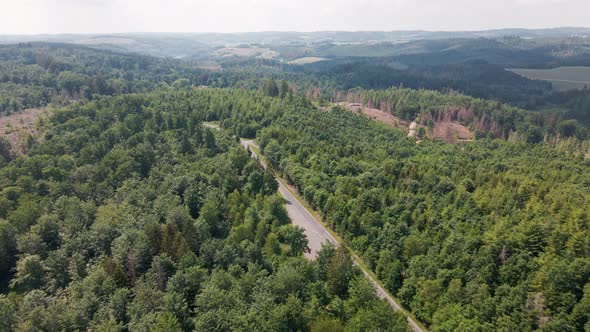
112, 16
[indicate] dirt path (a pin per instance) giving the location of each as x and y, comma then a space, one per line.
317, 234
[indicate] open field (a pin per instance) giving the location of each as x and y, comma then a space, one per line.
451, 132
258, 52
563, 78
306, 60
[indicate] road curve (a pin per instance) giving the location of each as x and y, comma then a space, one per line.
317, 234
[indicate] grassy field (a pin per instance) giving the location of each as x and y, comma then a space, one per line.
562, 78
258, 52
306, 60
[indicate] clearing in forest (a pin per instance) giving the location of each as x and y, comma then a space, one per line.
306, 60
449, 131
18, 126
377, 114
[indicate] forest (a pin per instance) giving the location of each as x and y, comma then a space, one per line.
124, 212
488, 236
36, 74
131, 216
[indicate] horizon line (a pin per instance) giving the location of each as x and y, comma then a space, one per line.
289, 31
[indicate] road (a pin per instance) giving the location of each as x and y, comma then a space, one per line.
315, 231
317, 234
300, 216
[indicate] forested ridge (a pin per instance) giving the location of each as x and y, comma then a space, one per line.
132, 216
36, 74
572, 104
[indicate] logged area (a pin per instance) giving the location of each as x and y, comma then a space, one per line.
443, 128
377, 115
18, 128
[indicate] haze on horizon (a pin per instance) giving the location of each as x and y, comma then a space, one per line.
113, 16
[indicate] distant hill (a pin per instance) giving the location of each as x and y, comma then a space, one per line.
202, 44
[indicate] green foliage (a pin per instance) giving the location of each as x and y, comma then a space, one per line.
270, 88
294, 238
29, 273
5, 152
8, 317
33, 75
339, 271
327, 325
7, 247
109, 226
128, 214
485, 235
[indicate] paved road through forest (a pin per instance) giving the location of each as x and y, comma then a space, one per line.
317, 234
299, 215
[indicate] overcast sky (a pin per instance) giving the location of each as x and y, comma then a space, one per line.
98, 16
